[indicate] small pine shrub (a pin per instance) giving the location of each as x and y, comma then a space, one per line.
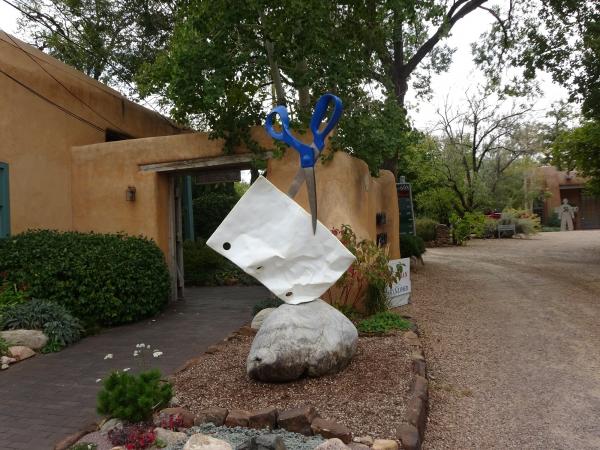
104, 279
383, 322
54, 320
267, 303
133, 398
411, 246
425, 228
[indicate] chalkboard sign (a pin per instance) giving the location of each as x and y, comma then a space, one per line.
405, 205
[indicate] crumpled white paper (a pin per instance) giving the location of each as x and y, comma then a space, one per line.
269, 236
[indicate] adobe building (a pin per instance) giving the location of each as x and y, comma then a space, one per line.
77, 155
560, 185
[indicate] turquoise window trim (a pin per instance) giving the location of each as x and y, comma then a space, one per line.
4, 201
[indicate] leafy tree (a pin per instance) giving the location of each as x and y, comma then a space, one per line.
579, 149
561, 37
107, 40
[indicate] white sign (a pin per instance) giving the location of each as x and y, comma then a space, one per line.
399, 293
270, 236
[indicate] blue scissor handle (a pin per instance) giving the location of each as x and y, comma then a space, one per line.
307, 157
320, 114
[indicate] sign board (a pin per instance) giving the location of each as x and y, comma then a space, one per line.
217, 176
405, 206
399, 293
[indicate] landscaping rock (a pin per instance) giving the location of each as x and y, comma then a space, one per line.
100, 440
297, 420
365, 440
237, 418
331, 430
420, 388
7, 360
203, 442
311, 338
168, 415
385, 444
265, 418
332, 444
20, 352
4, 366
34, 339
358, 446
170, 437
215, 416
416, 414
409, 437
111, 424
260, 317
269, 442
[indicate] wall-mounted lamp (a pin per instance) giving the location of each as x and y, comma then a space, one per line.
130, 194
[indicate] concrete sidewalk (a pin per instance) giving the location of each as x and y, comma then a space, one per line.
48, 397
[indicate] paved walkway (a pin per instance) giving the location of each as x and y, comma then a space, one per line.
512, 335
51, 396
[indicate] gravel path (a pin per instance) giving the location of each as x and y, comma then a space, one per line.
511, 330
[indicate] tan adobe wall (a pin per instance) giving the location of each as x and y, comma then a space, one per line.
36, 136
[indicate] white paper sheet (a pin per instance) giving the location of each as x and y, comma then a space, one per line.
269, 236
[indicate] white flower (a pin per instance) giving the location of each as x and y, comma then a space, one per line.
157, 353
136, 353
98, 380
126, 369
140, 345
109, 356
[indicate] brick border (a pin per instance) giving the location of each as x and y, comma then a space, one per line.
411, 432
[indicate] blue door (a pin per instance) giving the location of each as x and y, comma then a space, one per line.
4, 202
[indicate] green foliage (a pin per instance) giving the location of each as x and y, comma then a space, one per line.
274, 302
9, 297
467, 225
370, 272
211, 206
383, 322
133, 397
426, 228
553, 221
490, 228
524, 221
103, 279
349, 311
54, 320
3, 347
205, 267
376, 299
411, 246
579, 149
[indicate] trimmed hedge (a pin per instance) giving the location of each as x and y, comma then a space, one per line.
102, 279
425, 228
411, 246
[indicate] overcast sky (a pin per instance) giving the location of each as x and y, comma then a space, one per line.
451, 84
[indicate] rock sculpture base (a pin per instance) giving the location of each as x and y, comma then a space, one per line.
310, 339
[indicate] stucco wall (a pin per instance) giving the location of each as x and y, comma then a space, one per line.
36, 136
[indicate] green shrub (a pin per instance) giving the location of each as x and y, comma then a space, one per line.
425, 228
3, 347
9, 297
205, 267
383, 322
525, 222
210, 208
411, 246
267, 303
376, 299
349, 311
133, 398
54, 320
490, 228
471, 223
103, 279
553, 221
84, 446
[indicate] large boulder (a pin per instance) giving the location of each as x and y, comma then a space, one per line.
311, 339
260, 317
34, 339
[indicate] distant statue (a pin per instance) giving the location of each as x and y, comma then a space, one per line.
566, 213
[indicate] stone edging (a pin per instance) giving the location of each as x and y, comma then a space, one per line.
411, 432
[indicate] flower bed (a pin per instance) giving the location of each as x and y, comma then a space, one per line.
369, 396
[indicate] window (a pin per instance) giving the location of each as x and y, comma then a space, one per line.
4, 202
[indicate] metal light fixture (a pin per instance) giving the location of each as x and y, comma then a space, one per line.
130, 194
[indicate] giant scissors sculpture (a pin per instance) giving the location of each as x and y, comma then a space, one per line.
308, 153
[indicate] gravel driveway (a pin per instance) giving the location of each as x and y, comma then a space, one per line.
511, 330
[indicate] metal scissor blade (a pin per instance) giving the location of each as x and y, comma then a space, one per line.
311, 186
296, 183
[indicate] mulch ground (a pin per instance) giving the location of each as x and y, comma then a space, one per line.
369, 396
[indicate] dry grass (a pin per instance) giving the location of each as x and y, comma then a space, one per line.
369, 396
